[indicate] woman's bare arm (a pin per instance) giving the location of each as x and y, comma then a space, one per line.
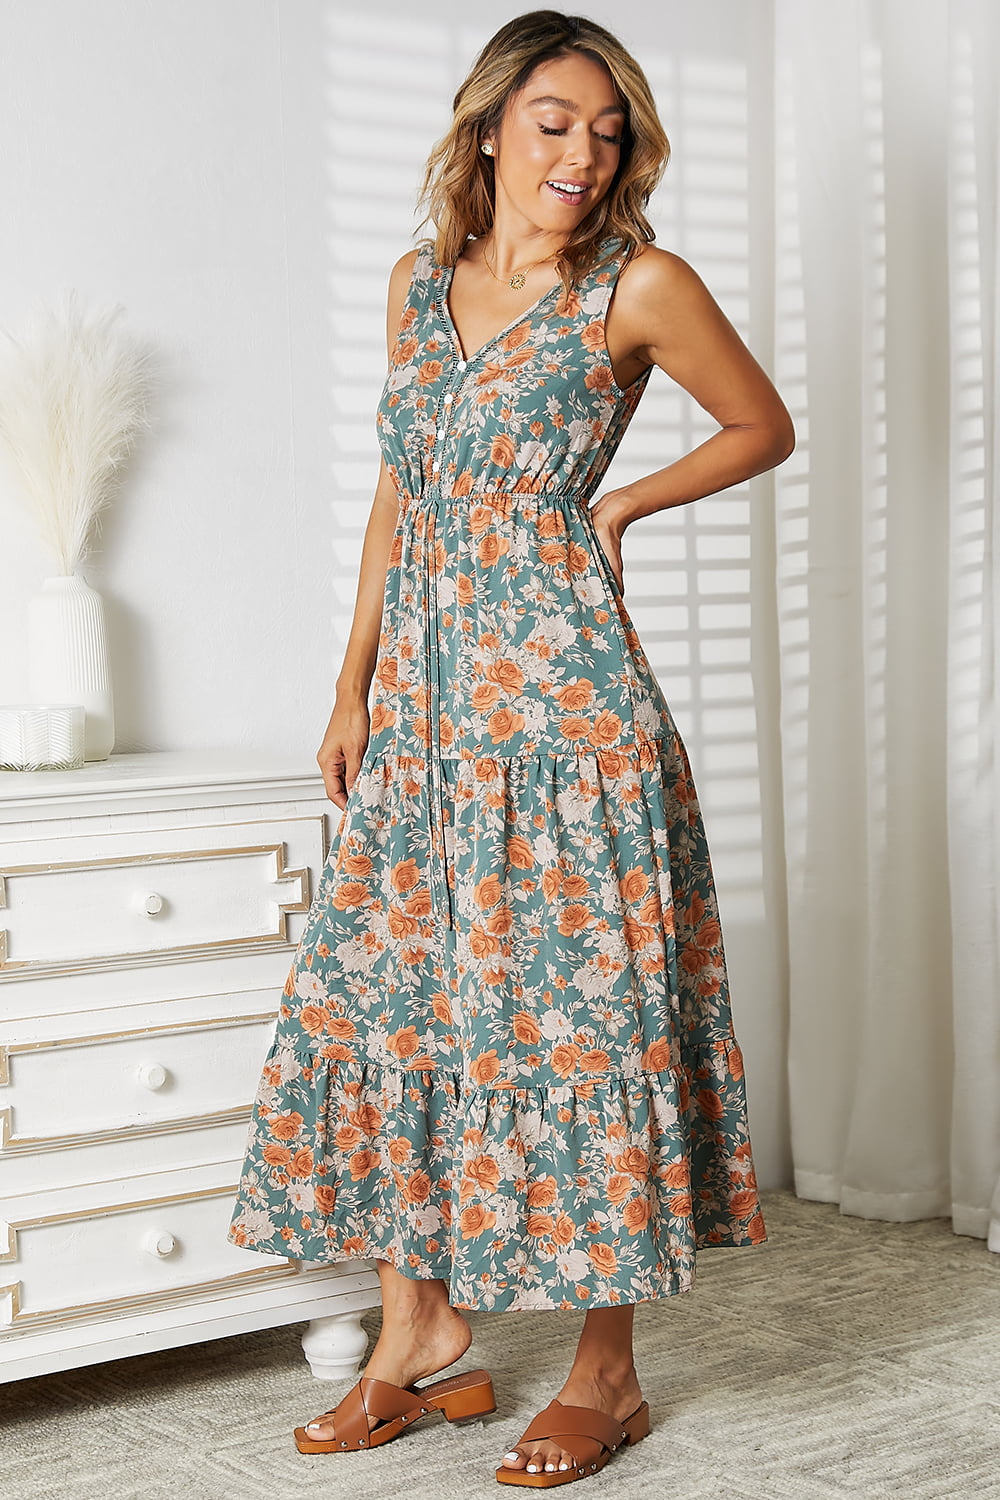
663, 314
339, 757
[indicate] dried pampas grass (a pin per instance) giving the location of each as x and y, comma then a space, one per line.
73, 400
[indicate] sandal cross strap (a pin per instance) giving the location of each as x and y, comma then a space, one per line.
590, 1436
396, 1408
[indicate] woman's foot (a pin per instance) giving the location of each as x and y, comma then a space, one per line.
618, 1396
421, 1334
603, 1377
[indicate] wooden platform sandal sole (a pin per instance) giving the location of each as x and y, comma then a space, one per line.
397, 1408
602, 1437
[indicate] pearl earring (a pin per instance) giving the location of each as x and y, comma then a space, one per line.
486, 149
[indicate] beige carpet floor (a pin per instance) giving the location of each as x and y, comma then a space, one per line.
844, 1358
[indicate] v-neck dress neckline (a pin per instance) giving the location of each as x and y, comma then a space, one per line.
448, 319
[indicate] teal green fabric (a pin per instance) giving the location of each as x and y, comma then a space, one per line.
505, 1054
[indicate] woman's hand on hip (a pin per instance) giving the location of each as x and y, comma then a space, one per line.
609, 526
344, 744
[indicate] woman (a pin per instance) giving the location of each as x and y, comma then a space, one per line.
505, 1068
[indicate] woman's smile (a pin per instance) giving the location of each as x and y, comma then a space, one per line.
568, 191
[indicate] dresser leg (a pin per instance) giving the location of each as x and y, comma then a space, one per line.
335, 1344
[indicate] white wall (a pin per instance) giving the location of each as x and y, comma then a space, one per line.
241, 175
150, 158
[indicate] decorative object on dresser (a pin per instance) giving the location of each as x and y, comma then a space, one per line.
73, 399
36, 737
150, 907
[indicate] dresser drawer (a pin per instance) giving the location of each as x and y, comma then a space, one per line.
124, 1085
132, 897
116, 1257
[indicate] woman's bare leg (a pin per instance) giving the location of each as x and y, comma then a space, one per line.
603, 1376
421, 1334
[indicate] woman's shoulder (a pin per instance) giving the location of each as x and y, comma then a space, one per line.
413, 281
641, 270
408, 262
654, 272
412, 269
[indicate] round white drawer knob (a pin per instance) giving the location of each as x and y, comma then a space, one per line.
159, 1242
148, 903
152, 1075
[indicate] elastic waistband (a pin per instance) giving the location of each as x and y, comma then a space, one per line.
500, 500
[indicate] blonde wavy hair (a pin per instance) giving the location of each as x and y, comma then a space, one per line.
458, 185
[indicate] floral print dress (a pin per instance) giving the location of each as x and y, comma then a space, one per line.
504, 1055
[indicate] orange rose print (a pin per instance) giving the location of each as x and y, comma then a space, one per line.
657, 1056
526, 1028
475, 1220
502, 451
404, 1042
325, 1198
399, 1150
592, 337
363, 1162
491, 549
574, 917
604, 1258
576, 694
635, 1161
519, 852
517, 337
312, 1019
636, 1215
599, 378
442, 1009
485, 1067
367, 1117
504, 723
350, 893
564, 1230
634, 884
618, 1189
565, 1058
405, 875
286, 1127
418, 1187
539, 1224
677, 1174
508, 675
550, 523
484, 1172
542, 1193
710, 1104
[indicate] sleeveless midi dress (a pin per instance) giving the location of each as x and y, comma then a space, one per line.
505, 1055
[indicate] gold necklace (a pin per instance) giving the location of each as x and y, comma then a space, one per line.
519, 278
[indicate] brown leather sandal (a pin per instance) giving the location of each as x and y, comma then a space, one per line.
397, 1408
595, 1436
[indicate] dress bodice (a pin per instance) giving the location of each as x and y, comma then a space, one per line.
535, 409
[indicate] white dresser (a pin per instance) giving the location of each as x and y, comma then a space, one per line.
150, 906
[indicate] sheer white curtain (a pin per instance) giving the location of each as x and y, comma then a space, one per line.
886, 348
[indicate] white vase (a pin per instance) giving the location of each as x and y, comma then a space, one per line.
68, 657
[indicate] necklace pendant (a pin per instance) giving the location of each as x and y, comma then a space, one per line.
517, 281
